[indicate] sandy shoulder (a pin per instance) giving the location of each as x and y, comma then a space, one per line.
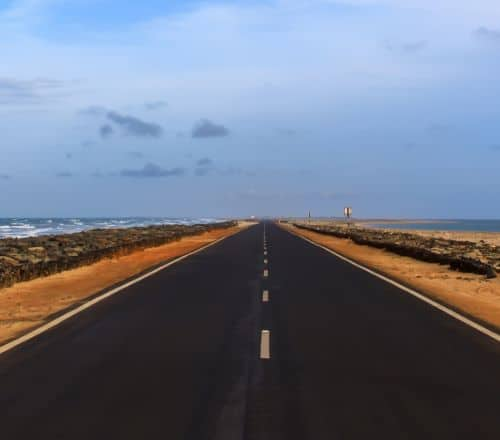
27, 305
472, 294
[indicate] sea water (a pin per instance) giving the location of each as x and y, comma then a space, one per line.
445, 225
32, 227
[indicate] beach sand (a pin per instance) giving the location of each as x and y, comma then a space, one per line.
472, 294
27, 305
492, 238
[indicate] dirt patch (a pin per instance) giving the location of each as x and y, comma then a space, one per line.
472, 294
27, 305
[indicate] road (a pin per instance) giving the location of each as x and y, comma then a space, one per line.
179, 356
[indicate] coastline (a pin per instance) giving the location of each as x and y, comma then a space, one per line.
407, 225
29, 304
23, 259
370, 222
472, 294
492, 238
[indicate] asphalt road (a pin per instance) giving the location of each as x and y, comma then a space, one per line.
178, 356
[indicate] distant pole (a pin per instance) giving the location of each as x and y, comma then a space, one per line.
309, 217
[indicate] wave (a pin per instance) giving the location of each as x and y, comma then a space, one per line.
22, 227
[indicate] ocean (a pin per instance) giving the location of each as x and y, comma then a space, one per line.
445, 225
32, 227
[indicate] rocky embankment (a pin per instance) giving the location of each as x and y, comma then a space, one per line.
464, 256
28, 258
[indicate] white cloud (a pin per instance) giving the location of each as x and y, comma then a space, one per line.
269, 60
463, 10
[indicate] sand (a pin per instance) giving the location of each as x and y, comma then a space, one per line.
471, 294
27, 305
492, 238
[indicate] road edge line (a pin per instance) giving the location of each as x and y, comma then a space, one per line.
73, 312
450, 312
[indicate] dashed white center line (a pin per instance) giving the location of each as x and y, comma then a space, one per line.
265, 344
265, 296
266, 273
265, 260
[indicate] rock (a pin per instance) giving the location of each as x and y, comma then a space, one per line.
28, 258
463, 256
37, 250
8, 260
491, 273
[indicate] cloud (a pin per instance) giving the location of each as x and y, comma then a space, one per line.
235, 171
151, 170
64, 174
202, 171
204, 166
136, 154
131, 125
410, 145
35, 91
411, 47
414, 47
87, 144
485, 33
208, 129
286, 131
205, 161
437, 129
106, 131
155, 105
252, 194
135, 126
93, 110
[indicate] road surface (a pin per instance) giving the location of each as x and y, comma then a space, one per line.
225, 345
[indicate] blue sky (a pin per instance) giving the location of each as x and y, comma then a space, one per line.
277, 107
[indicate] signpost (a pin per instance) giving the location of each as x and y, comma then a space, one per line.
347, 213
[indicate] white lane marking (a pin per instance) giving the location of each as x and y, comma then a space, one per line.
51, 324
265, 296
265, 344
265, 252
265, 260
485, 331
266, 273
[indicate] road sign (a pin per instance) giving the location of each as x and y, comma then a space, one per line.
348, 211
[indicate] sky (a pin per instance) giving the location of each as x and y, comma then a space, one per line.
254, 107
